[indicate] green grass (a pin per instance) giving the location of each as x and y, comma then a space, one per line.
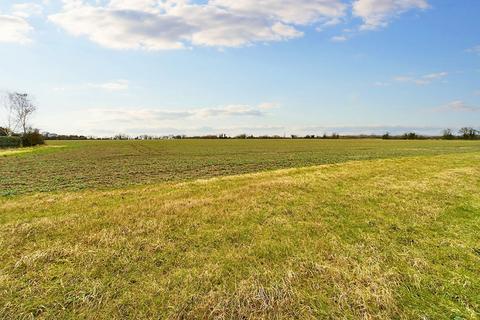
373, 239
18, 152
112, 164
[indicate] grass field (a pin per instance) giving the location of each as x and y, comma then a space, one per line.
107, 164
392, 235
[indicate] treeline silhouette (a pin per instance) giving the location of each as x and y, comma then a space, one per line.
466, 133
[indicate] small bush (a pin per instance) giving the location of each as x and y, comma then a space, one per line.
10, 142
4, 132
411, 136
32, 138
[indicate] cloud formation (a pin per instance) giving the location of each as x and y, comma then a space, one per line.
341, 38
27, 9
268, 106
422, 80
378, 13
175, 24
14, 29
125, 115
116, 85
299, 12
458, 106
475, 49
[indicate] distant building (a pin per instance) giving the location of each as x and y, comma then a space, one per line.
50, 135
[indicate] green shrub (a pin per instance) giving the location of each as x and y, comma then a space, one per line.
32, 138
10, 142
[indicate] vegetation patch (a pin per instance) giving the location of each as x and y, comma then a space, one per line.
115, 164
29, 150
10, 142
382, 239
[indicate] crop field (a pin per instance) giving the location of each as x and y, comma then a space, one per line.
73, 166
241, 229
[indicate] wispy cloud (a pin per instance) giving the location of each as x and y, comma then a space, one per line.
422, 80
59, 89
378, 13
268, 105
116, 85
227, 111
162, 120
475, 50
159, 115
27, 9
457, 106
341, 38
14, 29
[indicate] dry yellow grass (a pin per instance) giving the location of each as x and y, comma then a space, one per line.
374, 239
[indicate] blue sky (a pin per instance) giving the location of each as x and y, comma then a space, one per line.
263, 67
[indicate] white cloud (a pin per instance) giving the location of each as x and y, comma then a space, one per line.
475, 49
433, 76
458, 106
477, 93
300, 12
339, 38
217, 27
422, 80
122, 29
27, 9
116, 85
268, 106
142, 120
227, 111
174, 24
14, 29
161, 115
378, 13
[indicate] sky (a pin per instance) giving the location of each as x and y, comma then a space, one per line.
159, 67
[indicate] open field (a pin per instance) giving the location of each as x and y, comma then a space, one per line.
107, 164
385, 238
370, 239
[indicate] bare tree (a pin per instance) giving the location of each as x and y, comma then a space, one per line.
468, 133
21, 109
448, 134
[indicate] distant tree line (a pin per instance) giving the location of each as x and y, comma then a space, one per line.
49, 136
466, 133
16, 130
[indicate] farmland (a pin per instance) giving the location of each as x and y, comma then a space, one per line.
105, 164
241, 229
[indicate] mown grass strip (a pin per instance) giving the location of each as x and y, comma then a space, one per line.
394, 238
